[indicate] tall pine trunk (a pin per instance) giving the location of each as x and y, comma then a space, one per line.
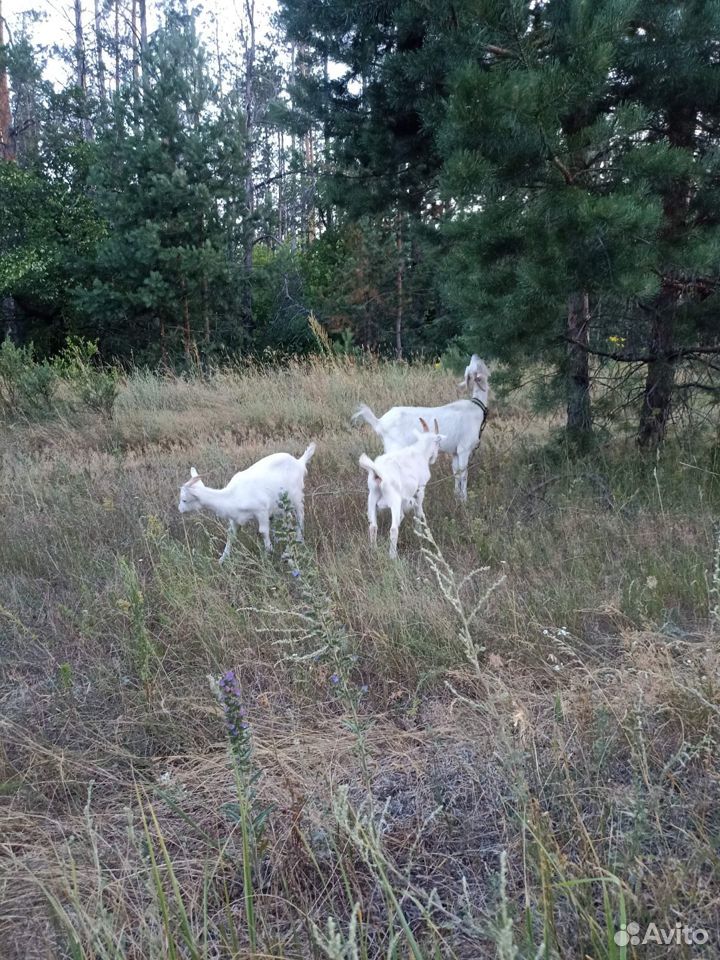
660, 380
326, 142
143, 27
218, 56
187, 335
205, 311
99, 51
117, 45
282, 212
7, 140
81, 70
249, 229
163, 344
135, 40
7, 152
292, 204
309, 193
579, 410
399, 282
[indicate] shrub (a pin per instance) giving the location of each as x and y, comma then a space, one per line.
96, 385
27, 386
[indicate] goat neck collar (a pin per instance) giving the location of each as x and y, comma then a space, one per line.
478, 403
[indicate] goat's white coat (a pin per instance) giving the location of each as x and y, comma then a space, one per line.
397, 481
252, 494
460, 423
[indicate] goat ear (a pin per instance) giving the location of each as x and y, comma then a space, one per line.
193, 472
191, 483
426, 428
437, 428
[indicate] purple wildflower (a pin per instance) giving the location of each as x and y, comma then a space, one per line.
334, 679
235, 723
296, 573
364, 688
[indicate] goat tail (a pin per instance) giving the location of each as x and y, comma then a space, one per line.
364, 412
367, 464
308, 455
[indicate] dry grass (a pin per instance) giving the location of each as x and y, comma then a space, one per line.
587, 749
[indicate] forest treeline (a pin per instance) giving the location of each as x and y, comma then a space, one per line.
534, 180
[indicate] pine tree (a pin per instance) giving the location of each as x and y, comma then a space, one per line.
547, 222
669, 67
169, 175
380, 160
46, 219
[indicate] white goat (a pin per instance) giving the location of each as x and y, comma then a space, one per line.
252, 494
397, 481
461, 423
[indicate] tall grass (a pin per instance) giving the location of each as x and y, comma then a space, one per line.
505, 743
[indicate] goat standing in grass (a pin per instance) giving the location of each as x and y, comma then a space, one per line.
252, 494
461, 423
397, 481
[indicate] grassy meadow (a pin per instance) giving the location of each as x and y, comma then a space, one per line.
429, 764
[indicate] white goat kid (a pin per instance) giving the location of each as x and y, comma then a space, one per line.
461, 423
252, 494
397, 481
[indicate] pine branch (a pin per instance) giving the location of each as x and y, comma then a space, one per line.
644, 358
696, 385
567, 176
500, 51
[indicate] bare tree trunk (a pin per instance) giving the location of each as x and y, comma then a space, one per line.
81, 67
579, 410
7, 138
187, 337
143, 26
282, 213
205, 311
99, 52
292, 205
217, 55
310, 192
399, 282
117, 45
660, 381
326, 144
135, 42
163, 344
249, 132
